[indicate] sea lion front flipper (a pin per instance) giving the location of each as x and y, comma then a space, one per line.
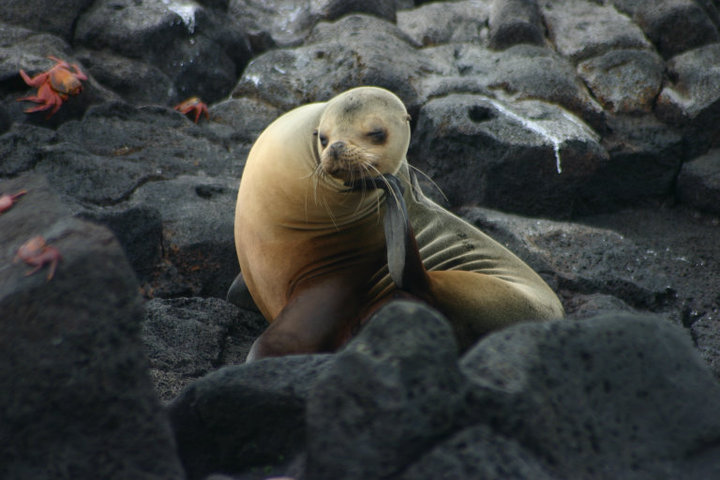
239, 295
403, 257
397, 228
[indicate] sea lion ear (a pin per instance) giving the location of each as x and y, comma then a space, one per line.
408, 117
315, 133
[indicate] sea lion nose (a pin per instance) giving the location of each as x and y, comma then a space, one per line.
337, 147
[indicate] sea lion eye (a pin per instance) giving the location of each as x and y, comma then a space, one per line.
378, 135
323, 138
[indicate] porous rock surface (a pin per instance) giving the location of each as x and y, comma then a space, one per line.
584, 135
616, 396
75, 392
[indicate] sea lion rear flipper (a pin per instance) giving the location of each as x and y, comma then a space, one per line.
239, 295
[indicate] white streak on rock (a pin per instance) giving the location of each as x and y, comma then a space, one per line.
185, 11
565, 131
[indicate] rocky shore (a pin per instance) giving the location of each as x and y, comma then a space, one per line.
582, 134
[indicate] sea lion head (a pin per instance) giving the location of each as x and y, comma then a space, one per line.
363, 133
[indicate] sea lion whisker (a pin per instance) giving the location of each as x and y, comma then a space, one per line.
432, 182
320, 176
366, 172
369, 170
330, 213
316, 181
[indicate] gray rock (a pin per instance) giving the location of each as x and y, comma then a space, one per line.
624, 81
582, 259
286, 23
139, 230
706, 336
579, 307
712, 9
57, 18
694, 94
245, 416
674, 26
356, 50
20, 148
645, 157
387, 396
481, 150
165, 187
241, 120
21, 49
681, 245
75, 393
520, 72
447, 22
334, 9
197, 239
698, 184
116, 148
201, 50
478, 452
5, 120
133, 80
186, 338
353, 27
581, 29
24, 48
119, 167
616, 396
515, 21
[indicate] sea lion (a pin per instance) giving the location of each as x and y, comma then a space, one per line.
330, 223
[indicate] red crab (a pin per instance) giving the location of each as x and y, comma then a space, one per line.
54, 86
193, 105
37, 253
7, 201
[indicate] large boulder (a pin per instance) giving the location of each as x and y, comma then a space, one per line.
57, 18
582, 29
202, 50
449, 22
122, 166
187, 338
513, 22
699, 182
624, 80
286, 23
355, 50
692, 98
532, 157
75, 391
615, 396
386, 398
246, 417
521, 72
674, 26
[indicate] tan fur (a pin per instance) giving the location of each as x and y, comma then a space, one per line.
297, 226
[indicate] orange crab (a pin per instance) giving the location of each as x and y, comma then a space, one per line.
54, 86
193, 105
37, 252
7, 200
